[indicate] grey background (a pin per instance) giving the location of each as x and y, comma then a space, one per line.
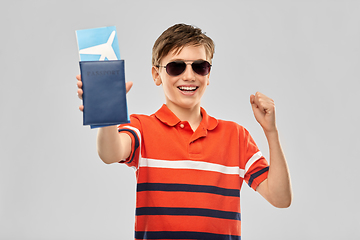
303, 54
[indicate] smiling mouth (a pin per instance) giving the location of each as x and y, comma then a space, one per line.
188, 89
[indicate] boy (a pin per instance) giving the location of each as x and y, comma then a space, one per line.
189, 165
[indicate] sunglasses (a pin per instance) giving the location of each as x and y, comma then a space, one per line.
176, 68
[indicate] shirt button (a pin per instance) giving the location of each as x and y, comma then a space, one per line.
182, 125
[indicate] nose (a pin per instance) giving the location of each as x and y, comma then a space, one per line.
189, 74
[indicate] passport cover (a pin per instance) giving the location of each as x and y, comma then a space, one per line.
104, 93
101, 44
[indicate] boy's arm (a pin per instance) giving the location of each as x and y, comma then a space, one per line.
112, 146
276, 189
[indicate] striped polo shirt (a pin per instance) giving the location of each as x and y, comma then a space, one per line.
188, 183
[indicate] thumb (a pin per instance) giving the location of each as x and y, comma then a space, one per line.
252, 101
128, 86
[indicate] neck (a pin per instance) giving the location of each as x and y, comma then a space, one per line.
191, 115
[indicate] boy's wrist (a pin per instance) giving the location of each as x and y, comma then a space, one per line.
271, 133
108, 129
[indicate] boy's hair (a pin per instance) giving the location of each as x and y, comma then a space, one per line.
176, 38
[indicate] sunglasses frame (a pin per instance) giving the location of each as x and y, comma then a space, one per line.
186, 63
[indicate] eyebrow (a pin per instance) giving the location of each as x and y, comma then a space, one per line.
180, 59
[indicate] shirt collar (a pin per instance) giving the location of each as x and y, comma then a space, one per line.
165, 115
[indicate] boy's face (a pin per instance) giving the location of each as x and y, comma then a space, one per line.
185, 90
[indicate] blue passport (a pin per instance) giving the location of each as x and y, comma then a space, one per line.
104, 93
103, 77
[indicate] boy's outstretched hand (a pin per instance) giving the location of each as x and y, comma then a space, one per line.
80, 91
264, 111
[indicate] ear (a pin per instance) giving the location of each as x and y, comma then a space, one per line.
156, 75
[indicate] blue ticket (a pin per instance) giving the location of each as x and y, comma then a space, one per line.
98, 44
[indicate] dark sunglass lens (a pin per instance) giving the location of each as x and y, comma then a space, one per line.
175, 68
201, 67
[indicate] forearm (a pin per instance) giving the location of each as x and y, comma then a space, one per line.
112, 146
279, 191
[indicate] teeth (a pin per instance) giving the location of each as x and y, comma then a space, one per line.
187, 88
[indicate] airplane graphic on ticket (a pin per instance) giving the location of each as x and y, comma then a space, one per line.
98, 44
